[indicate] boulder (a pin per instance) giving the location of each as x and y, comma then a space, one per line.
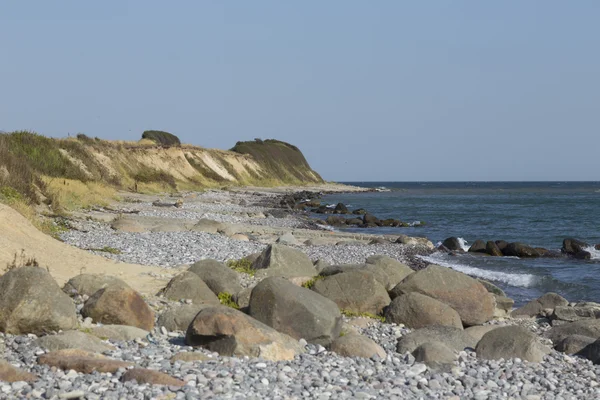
354, 221
230, 332
584, 327
288, 239
415, 310
242, 298
73, 340
119, 306
121, 333
208, 226
436, 355
189, 285
591, 352
357, 291
535, 307
573, 246
151, 377
492, 249
179, 317
504, 306
583, 255
81, 361
318, 241
240, 236
490, 287
478, 331
376, 241
453, 244
190, 356
464, 294
501, 245
511, 342
339, 268
573, 344
415, 242
280, 260
340, 208
389, 271
320, 265
454, 338
520, 250
127, 225
570, 314
10, 374
371, 219
478, 246
359, 211
88, 284
353, 345
32, 302
217, 276
298, 312
335, 220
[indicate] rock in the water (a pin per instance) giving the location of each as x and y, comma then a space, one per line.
298, 312
511, 342
280, 260
230, 332
415, 310
520, 250
436, 355
32, 302
461, 292
453, 244
492, 249
573, 344
371, 219
478, 246
535, 307
73, 340
340, 208
81, 361
179, 317
353, 345
150, 377
357, 291
119, 306
88, 284
389, 272
573, 246
583, 255
189, 285
415, 242
10, 374
584, 327
122, 333
217, 276
454, 338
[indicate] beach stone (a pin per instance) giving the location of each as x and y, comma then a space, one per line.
511, 342
453, 244
190, 356
570, 314
280, 260
591, 352
353, 345
436, 355
169, 227
415, 242
298, 312
478, 246
230, 332
179, 317
573, 344
11, 374
454, 338
123, 333
504, 306
520, 250
189, 285
490, 287
73, 340
150, 377
535, 307
288, 239
335, 220
478, 331
242, 298
340, 208
584, 327
240, 236
415, 310
464, 294
127, 225
339, 268
32, 302
208, 226
320, 265
492, 249
374, 241
357, 291
389, 271
217, 276
573, 246
88, 284
318, 241
119, 306
81, 361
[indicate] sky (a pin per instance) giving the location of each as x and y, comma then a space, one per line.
369, 91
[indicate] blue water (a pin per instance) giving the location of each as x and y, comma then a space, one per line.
541, 214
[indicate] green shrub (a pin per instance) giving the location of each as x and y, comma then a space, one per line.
242, 265
162, 138
310, 283
227, 300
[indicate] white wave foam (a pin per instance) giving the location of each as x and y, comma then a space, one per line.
595, 253
463, 244
520, 280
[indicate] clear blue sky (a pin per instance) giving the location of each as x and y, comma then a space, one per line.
369, 90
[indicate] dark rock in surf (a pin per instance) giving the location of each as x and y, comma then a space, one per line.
520, 250
501, 244
359, 211
371, 219
335, 220
452, 244
492, 249
583, 255
340, 208
478, 246
353, 221
573, 246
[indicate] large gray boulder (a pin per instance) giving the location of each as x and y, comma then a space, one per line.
280, 260
573, 246
571, 314
436, 355
73, 340
461, 292
389, 271
298, 312
230, 332
591, 352
535, 307
32, 302
88, 284
415, 310
119, 306
188, 285
353, 345
511, 342
454, 338
179, 317
217, 276
478, 331
121, 333
573, 344
356, 291
584, 327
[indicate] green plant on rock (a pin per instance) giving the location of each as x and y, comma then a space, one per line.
107, 249
227, 300
351, 314
242, 265
311, 282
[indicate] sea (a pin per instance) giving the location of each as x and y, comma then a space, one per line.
540, 214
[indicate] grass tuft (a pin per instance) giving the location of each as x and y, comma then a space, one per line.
21, 260
310, 283
227, 300
243, 265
